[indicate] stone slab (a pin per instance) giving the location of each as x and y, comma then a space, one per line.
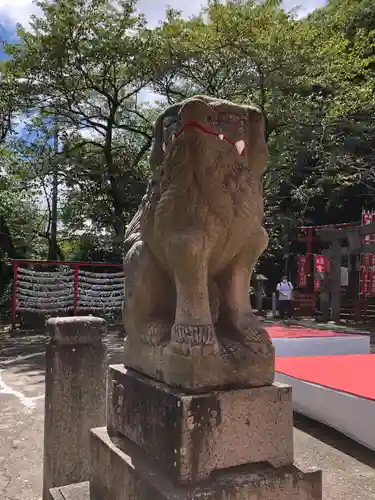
79, 491
192, 435
232, 368
122, 471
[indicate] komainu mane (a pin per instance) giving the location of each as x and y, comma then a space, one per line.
193, 244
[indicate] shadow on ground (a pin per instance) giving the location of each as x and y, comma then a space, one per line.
26, 354
335, 439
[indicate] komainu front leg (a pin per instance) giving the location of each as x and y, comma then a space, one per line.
149, 298
193, 329
237, 319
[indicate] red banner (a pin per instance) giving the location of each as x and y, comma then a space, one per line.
371, 264
322, 265
367, 274
303, 270
364, 274
371, 275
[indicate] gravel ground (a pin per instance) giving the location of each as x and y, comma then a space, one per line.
348, 468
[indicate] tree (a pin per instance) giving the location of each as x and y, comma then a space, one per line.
9, 101
85, 65
86, 62
20, 219
347, 42
6, 108
88, 207
41, 165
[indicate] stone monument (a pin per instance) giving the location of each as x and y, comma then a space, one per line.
194, 412
193, 245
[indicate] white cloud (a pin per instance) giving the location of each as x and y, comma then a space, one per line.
154, 10
19, 11
305, 6
16, 11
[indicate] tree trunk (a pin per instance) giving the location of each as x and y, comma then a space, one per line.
53, 253
7, 247
6, 241
116, 194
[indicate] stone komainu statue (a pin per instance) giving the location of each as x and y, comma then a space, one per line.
192, 245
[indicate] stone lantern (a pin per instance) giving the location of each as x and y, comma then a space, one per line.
259, 287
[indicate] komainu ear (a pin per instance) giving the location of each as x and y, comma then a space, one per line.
157, 152
257, 149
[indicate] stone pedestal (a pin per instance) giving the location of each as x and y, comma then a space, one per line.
123, 471
163, 443
192, 435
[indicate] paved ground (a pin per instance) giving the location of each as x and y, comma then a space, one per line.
348, 467
21, 428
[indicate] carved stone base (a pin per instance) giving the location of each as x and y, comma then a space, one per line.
122, 471
234, 367
190, 436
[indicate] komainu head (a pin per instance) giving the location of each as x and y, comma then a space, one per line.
221, 127
208, 158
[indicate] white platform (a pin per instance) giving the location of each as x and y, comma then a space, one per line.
321, 346
352, 415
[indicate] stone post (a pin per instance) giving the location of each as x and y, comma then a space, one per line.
336, 281
75, 397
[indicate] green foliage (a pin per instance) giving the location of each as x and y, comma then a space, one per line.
86, 63
85, 67
20, 217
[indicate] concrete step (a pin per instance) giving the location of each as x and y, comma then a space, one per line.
79, 491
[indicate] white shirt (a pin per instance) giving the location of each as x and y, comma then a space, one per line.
285, 290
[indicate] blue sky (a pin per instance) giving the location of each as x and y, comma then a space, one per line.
19, 11
6, 33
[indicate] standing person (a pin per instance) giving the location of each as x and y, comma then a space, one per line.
285, 297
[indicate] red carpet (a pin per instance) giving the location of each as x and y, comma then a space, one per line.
291, 331
350, 373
